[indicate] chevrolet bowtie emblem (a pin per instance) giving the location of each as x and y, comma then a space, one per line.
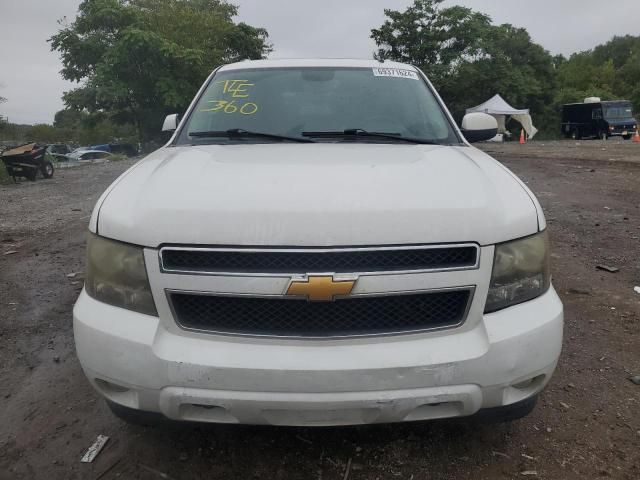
320, 289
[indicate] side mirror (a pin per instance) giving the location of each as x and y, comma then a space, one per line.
479, 127
170, 123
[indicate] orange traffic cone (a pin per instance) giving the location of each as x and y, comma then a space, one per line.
636, 138
523, 140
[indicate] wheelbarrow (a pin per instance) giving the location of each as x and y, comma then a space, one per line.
26, 161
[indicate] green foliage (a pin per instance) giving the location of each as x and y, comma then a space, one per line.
108, 132
73, 128
139, 60
610, 71
466, 57
469, 59
4, 176
43, 133
438, 40
514, 66
69, 119
11, 133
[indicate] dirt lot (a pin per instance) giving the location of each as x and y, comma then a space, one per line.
587, 424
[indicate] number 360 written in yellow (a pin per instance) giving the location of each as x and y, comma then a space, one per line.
225, 106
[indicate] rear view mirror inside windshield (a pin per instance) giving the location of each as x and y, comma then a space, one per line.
318, 75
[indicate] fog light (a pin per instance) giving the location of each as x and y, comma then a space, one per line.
529, 383
524, 385
110, 388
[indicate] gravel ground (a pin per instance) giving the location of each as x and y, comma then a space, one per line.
585, 426
612, 150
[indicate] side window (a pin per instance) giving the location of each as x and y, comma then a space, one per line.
597, 114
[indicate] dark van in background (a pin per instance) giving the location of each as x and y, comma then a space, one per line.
595, 118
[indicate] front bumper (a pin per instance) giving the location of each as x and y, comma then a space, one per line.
622, 132
134, 361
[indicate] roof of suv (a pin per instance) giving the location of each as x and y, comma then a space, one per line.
328, 62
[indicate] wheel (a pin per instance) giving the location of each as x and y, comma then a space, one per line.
627, 137
136, 417
575, 134
603, 136
47, 169
509, 413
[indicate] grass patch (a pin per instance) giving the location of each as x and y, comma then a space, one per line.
4, 176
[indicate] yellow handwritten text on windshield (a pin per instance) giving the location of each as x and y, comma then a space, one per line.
225, 106
233, 90
236, 88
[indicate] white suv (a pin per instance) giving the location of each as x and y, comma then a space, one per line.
318, 244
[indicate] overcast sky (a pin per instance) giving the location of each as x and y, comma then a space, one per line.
29, 71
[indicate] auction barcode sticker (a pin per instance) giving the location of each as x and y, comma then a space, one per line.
395, 72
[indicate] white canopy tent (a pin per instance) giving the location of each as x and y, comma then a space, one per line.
500, 109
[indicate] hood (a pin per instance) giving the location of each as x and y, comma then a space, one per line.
316, 195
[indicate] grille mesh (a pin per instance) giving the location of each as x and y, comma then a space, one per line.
320, 262
299, 318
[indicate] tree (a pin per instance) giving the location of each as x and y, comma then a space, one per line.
43, 133
437, 40
69, 119
137, 60
467, 58
83, 128
2, 99
514, 66
610, 71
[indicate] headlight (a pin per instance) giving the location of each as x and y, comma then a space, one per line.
116, 275
520, 272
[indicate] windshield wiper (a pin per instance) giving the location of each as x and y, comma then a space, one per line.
240, 133
358, 132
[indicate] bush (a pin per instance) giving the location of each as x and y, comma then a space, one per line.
4, 176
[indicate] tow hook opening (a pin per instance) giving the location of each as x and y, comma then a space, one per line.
531, 383
117, 393
110, 388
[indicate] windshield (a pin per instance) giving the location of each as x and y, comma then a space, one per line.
618, 112
297, 102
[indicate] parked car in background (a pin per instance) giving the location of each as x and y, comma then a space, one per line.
105, 147
86, 155
124, 149
319, 244
78, 150
59, 151
117, 148
597, 119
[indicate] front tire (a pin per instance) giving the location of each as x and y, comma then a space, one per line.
627, 137
575, 135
